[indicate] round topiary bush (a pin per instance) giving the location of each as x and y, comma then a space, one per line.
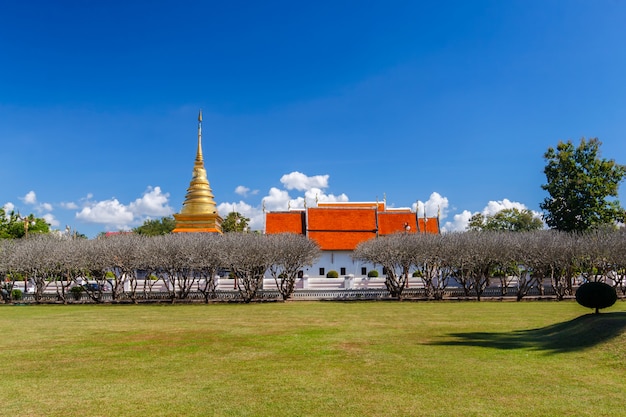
596, 295
372, 274
17, 294
332, 274
77, 292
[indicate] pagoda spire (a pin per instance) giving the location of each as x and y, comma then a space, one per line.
199, 212
199, 152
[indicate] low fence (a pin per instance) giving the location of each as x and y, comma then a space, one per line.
272, 294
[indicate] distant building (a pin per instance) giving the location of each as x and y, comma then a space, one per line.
199, 212
339, 227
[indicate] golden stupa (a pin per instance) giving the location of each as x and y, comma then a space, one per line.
199, 213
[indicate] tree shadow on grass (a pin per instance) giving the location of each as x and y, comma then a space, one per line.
580, 333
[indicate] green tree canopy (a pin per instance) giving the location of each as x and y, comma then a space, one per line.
235, 222
14, 226
580, 184
511, 219
162, 226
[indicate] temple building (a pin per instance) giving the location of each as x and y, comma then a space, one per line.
199, 212
338, 228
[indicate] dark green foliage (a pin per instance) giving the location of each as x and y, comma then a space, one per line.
332, 274
77, 292
16, 294
372, 274
511, 219
14, 226
579, 183
163, 226
596, 295
235, 222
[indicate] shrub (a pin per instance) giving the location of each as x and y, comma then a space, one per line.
417, 274
372, 274
332, 274
16, 294
77, 291
596, 295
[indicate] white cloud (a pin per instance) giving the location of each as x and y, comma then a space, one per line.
459, 222
435, 205
495, 206
108, 212
276, 200
42, 209
152, 203
245, 191
69, 206
301, 182
30, 198
8, 208
280, 200
50, 219
241, 190
255, 214
115, 215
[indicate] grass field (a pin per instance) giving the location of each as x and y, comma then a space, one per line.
314, 359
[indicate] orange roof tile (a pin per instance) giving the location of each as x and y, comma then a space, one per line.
394, 222
285, 222
341, 219
429, 225
332, 240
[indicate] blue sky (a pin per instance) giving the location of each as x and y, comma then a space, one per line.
449, 103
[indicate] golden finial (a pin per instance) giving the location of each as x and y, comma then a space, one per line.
263, 205
200, 116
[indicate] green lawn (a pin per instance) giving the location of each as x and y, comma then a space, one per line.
314, 359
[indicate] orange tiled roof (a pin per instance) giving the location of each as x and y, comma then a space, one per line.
429, 225
390, 222
342, 226
346, 219
337, 240
285, 222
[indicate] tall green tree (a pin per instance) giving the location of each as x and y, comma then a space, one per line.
583, 187
235, 222
162, 226
14, 226
511, 219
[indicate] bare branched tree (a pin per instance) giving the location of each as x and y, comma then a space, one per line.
7, 278
290, 253
393, 252
248, 256
428, 251
125, 258
208, 256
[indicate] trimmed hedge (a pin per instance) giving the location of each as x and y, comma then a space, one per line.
596, 295
332, 274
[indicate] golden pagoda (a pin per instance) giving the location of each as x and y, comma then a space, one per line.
199, 213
